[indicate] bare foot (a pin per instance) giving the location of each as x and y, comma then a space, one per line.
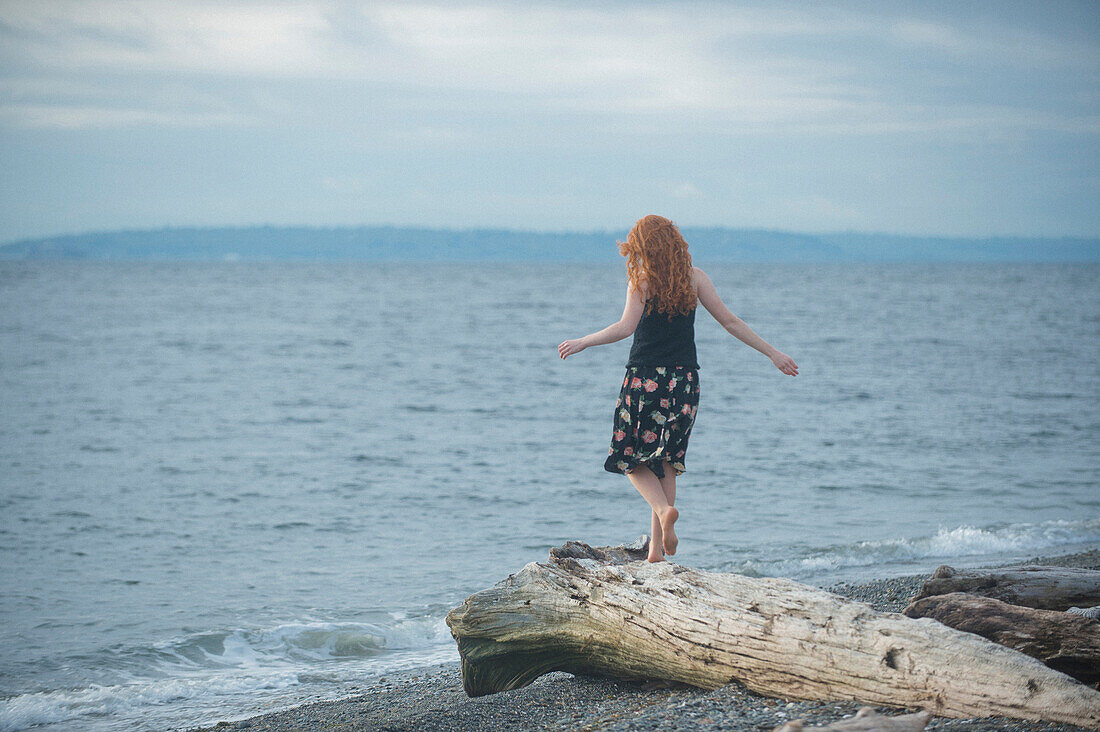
653, 560
668, 518
656, 547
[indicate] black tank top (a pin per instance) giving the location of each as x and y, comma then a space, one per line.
659, 341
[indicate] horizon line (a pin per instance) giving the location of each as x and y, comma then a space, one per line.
515, 230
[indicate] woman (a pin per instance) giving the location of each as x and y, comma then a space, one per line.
660, 394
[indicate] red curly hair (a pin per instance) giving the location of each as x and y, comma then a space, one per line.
657, 255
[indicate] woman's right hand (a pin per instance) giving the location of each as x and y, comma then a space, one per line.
785, 363
568, 348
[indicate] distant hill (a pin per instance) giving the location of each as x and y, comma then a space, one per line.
388, 243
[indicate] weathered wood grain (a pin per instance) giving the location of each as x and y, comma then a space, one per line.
602, 611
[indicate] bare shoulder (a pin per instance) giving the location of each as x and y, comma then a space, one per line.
708, 296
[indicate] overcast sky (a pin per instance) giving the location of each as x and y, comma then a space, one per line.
947, 118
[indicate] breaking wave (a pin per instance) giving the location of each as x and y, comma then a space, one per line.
957, 544
226, 670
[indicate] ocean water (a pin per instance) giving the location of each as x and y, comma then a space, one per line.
231, 488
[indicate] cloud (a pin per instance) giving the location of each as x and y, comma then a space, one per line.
159, 36
63, 117
685, 190
995, 44
740, 70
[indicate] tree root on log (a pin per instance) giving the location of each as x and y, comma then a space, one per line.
605, 611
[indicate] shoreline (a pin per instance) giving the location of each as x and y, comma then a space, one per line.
432, 698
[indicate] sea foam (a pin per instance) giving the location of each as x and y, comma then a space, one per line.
958, 544
226, 671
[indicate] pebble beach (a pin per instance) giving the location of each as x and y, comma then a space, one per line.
433, 699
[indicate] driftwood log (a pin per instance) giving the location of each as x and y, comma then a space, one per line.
1064, 641
605, 611
1045, 588
866, 720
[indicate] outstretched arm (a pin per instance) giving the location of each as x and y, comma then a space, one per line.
632, 313
738, 328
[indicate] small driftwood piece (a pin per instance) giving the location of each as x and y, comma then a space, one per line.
1066, 642
1086, 612
1030, 585
866, 720
605, 611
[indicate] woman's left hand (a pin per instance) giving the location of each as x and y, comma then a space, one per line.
785, 363
568, 348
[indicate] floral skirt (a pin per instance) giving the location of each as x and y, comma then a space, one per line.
653, 419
